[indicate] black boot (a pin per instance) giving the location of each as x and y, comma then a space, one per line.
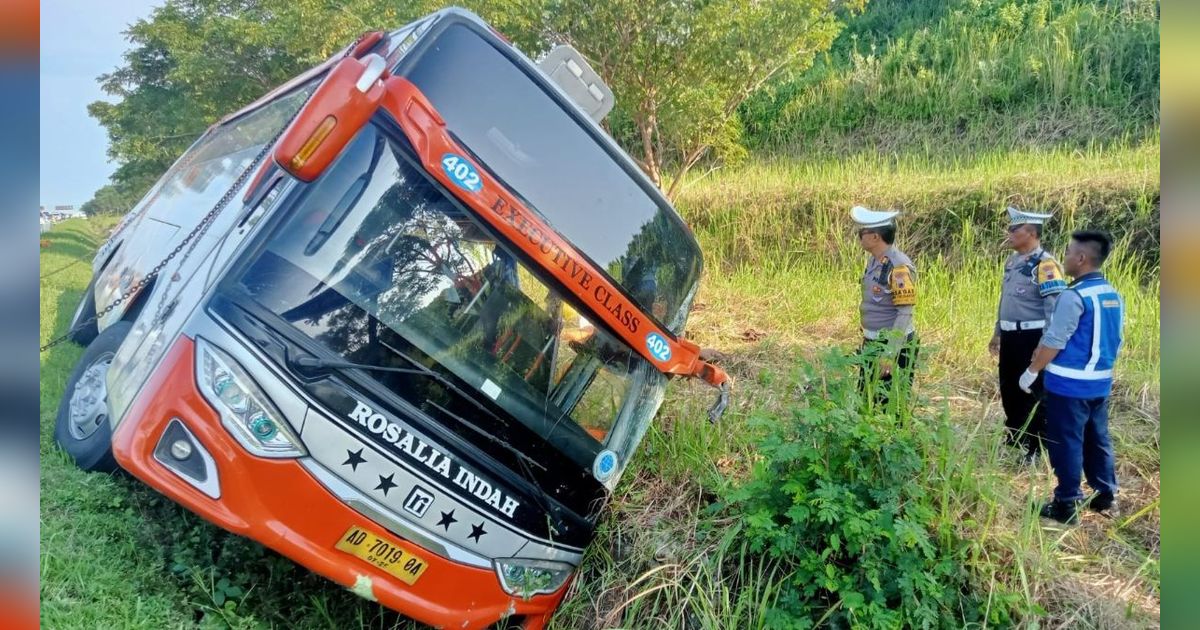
1065, 512
1104, 503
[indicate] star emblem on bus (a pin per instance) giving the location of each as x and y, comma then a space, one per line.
353, 459
447, 520
386, 483
477, 532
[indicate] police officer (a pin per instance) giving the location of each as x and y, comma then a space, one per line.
889, 295
1078, 352
1032, 281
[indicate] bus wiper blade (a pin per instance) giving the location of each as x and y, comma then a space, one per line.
315, 362
447, 382
501, 443
418, 369
522, 459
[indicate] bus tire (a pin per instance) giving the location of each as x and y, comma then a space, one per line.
85, 335
82, 427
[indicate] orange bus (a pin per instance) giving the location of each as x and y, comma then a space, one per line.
403, 320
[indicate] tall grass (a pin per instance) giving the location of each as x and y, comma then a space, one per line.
769, 213
668, 556
913, 74
781, 253
665, 559
781, 286
815, 303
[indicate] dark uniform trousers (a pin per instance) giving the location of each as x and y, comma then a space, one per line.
1025, 417
1078, 439
904, 366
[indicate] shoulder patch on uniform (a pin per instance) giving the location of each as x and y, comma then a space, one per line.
904, 288
1050, 277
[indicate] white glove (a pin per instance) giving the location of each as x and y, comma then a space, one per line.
1027, 380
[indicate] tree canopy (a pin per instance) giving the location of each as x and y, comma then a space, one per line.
679, 68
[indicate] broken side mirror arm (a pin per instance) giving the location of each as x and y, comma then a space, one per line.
716, 377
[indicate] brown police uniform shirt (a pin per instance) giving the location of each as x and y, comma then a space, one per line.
1030, 288
889, 291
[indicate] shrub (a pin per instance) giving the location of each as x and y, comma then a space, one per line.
843, 498
955, 75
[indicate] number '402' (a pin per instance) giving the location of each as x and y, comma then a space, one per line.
462, 171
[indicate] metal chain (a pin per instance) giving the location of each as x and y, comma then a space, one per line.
153, 273
130, 219
200, 229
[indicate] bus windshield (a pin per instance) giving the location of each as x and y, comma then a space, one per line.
540, 152
375, 262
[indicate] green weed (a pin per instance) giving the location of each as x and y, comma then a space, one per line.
940, 77
854, 502
780, 287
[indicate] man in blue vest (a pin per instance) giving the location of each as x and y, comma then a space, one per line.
1078, 352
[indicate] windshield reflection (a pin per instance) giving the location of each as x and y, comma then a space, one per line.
375, 261
565, 174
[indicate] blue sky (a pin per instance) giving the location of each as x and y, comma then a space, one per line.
81, 39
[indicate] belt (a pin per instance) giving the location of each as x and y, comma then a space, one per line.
1036, 324
874, 334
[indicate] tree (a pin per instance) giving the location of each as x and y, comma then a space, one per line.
194, 61
113, 199
681, 68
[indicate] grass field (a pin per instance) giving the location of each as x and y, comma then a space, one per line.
781, 290
949, 110
778, 293
951, 76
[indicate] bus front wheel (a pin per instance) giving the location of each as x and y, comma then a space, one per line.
82, 428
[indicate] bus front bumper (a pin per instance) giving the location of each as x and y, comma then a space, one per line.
277, 503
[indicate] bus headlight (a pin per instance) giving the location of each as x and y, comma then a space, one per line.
245, 410
138, 355
526, 577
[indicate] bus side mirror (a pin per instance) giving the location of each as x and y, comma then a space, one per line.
339, 107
